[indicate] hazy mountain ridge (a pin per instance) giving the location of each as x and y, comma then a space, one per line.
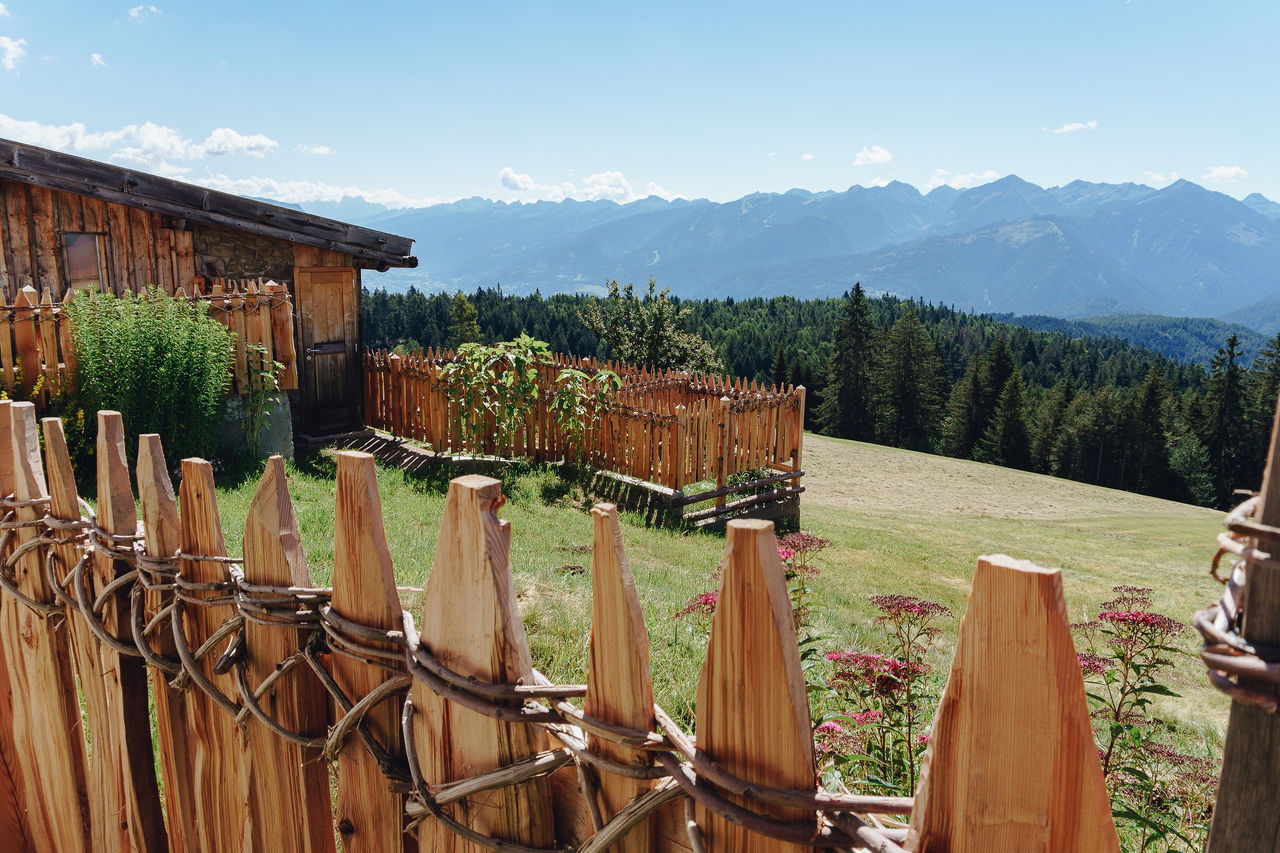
1008, 246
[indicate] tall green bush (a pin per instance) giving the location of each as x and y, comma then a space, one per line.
163, 363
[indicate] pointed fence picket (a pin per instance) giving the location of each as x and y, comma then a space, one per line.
444, 735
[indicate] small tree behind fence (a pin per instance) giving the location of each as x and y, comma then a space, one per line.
667, 428
444, 735
36, 345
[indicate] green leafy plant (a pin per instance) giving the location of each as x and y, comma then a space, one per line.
262, 386
577, 401
497, 383
1161, 797
162, 362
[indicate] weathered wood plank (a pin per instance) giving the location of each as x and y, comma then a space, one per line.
123, 277
185, 262
46, 241
21, 264
217, 743
162, 538
47, 327
471, 624
12, 797
46, 710
105, 781
6, 344
24, 336
370, 816
143, 260
282, 335
1014, 670
619, 685
125, 676
752, 653
288, 783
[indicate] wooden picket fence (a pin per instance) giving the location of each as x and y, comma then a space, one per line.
667, 428
445, 737
36, 341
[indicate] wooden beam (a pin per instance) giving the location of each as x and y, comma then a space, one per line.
752, 652
1245, 817
470, 622
370, 816
1014, 684
619, 685
288, 783
12, 797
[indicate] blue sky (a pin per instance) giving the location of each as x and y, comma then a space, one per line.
417, 102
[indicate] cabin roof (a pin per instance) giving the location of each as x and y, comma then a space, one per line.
58, 171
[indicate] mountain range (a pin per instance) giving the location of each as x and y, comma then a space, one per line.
1008, 246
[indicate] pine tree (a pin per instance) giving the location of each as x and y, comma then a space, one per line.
779, 371
964, 424
1051, 413
907, 385
463, 325
846, 405
1005, 440
1226, 435
1264, 389
1148, 448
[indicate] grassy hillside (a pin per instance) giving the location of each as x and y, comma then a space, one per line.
900, 522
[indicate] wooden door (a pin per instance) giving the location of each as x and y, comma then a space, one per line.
328, 320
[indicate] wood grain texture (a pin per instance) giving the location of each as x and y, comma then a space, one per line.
24, 338
217, 744
45, 234
752, 713
12, 797
369, 815
471, 623
1011, 763
619, 685
105, 779
46, 710
1246, 817
288, 784
162, 537
21, 263
125, 676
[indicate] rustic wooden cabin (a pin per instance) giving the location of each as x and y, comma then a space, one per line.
67, 223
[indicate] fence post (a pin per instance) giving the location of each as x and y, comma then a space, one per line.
288, 783
24, 336
726, 445
282, 334
752, 652
1011, 763
619, 686
680, 450
397, 395
797, 453
216, 744
65, 340
1245, 817
370, 816
471, 624
46, 711
161, 538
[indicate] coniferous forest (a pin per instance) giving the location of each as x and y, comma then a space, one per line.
929, 378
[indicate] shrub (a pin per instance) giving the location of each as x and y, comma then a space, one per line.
163, 363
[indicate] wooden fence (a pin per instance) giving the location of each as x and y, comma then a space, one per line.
668, 428
36, 341
444, 736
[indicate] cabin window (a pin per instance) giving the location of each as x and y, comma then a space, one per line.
84, 261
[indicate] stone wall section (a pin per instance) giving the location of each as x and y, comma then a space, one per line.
224, 253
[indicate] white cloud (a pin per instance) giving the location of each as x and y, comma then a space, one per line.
137, 13
960, 182
806, 156
772, 154
1072, 127
612, 186
1157, 178
96, 60
1224, 174
869, 156
11, 52
4, 13
314, 150
879, 182
300, 192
